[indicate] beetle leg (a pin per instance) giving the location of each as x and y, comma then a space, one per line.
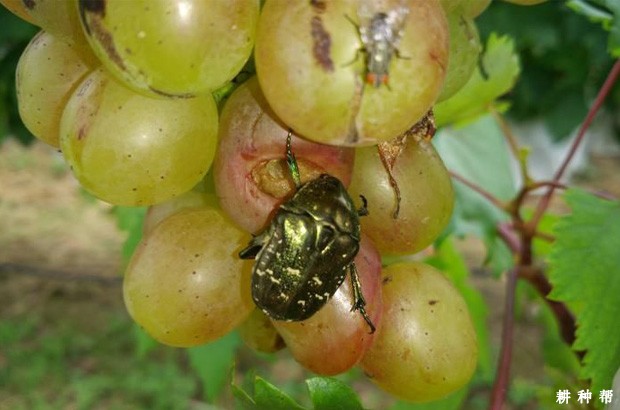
363, 210
292, 162
255, 245
399, 56
358, 298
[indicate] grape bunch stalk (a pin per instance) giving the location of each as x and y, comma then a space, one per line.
185, 107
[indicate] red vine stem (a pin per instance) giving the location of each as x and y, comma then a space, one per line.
611, 79
500, 385
486, 194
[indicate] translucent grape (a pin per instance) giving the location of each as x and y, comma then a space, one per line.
426, 347
464, 54
311, 67
128, 149
18, 8
185, 284
172, 48
48, 72
190, 199
59, 18
427, 197
473, 8
258, 333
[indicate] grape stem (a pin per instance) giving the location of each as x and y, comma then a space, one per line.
520, 234
500, 386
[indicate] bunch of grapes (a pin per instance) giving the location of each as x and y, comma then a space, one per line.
125, 89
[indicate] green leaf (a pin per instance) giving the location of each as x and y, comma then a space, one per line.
269, 397
452, 402
213, 363
605, 12
501, 66
585, 274
144, 342
130, 219
478, 153
332, 394
242, 398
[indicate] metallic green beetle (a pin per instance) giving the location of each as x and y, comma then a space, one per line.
304, 255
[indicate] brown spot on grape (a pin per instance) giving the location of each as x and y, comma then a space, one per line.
319, 6
95, 29
81, 133
432, 302
387, 279
322, 43
93, 6
168, 95
30, 4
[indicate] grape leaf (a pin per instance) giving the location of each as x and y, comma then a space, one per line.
478, 153
501, 66
606, 12
130, 219
453, 401
213, 362
269, 397
585, 274
332, 394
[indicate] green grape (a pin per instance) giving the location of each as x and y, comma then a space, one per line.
190, 199
311, 68
426, 346
59, 18
18, 8
259, 334
474, 8
465, 51
450, 5
427, 197
48, 72
185, 284
336, 337
171, 48
128, 149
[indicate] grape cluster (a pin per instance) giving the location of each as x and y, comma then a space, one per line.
125, 89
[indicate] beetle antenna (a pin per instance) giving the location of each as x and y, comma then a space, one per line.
291, 161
